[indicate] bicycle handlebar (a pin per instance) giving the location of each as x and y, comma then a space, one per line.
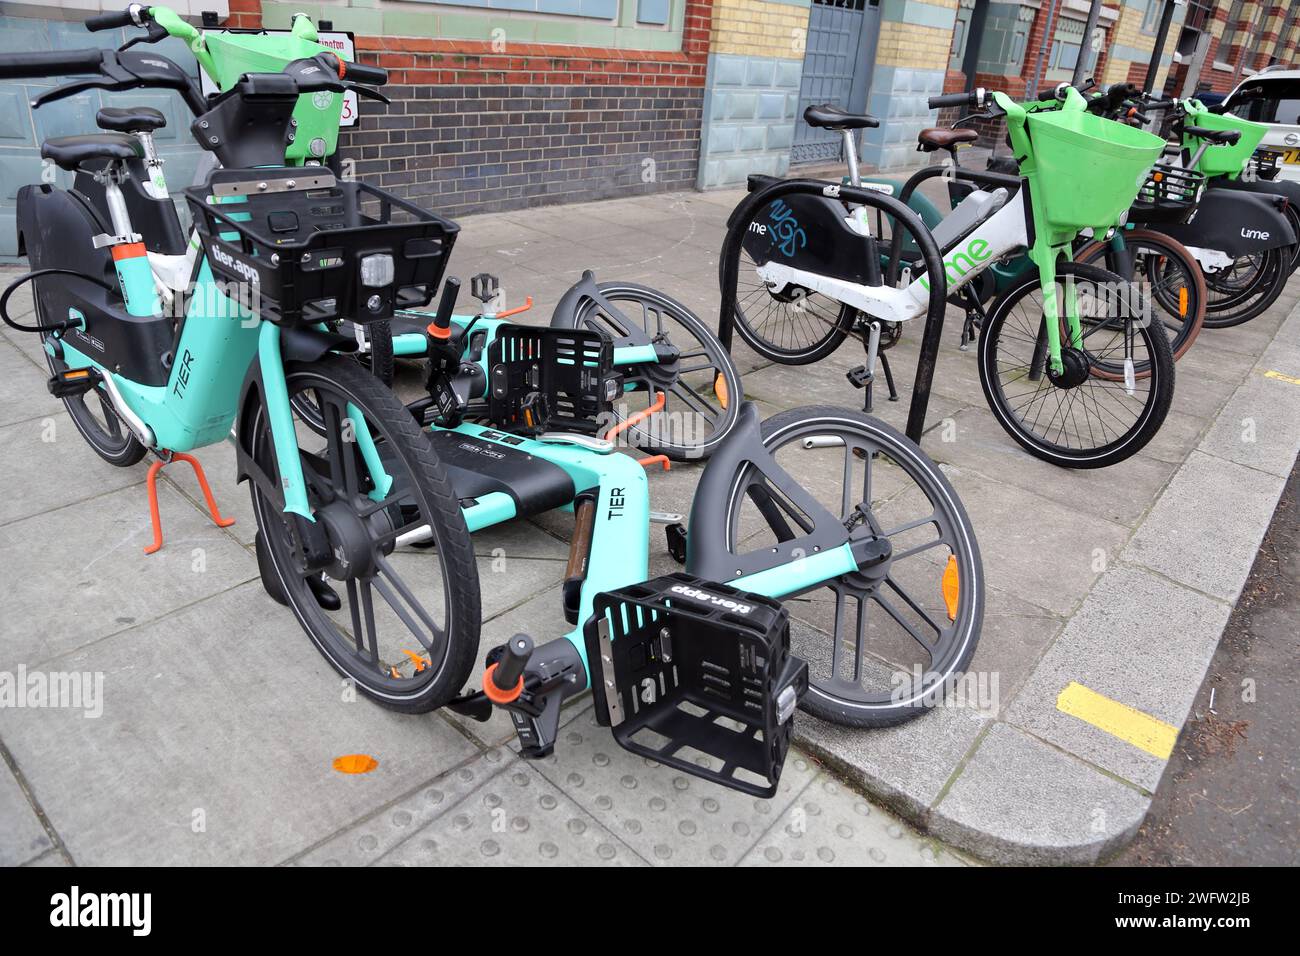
364, 73
21, 66
969, 98
112, 21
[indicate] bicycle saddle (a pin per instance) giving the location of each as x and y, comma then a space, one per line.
832, 117
135, 120
1222, 137
940, 137
69, 152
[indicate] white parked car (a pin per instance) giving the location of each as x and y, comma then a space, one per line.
1273, 98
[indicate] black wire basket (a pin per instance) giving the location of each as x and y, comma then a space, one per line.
295, 246
1169, 194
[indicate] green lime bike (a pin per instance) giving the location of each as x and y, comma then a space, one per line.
1070, 361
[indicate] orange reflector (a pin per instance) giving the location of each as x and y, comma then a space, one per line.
355, 763
420, 662
720, 389
1182, 302
951, 586
77, 373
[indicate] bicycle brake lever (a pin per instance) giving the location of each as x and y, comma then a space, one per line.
155, 33
368, 93
72, 89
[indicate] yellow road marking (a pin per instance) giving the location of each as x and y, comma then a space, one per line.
1119, 720
1281, 377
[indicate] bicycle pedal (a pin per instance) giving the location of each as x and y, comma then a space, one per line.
676, 535
484, 286
72, 382
859, 377
684, 669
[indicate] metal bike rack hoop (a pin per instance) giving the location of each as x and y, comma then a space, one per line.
903, 215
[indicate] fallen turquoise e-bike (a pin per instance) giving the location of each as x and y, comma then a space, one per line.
862, 604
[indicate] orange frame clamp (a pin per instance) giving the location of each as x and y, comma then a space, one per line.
152, 482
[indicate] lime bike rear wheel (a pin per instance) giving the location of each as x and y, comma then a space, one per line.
1245, 288
404, 626
1081, 417
885, 643
794, 326
1173, 278
699, 384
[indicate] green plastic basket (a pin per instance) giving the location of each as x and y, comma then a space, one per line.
1087, 170
1224, 160
234, 54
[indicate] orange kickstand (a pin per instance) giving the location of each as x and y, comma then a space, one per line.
653, 460
152, 482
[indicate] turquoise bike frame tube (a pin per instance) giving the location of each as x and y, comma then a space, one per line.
799, 575
275, 394
635, 355
410, 343
379, 477
135, 276
492, 508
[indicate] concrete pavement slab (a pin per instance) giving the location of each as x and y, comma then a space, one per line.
516, 817
1018, 800
1259, 426
216, 743
22, 388
823, 828
48, 465
906, 766
106, 583
1206, 527
1138, 639
973, 441
1046, 553
22, 837
364, 842
666, 816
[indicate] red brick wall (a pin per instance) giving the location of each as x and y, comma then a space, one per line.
476, 129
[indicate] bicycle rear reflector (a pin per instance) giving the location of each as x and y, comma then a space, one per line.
697, 676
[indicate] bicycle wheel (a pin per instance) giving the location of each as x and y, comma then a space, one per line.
403, 626
701, 387
1078, 419
883, 645
1173, 276
793, 326
1244, 289
94, 418
377, 359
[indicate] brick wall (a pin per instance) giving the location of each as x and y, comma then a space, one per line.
476, 126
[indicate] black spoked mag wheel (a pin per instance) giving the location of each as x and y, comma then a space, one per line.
699, 383
884, 644
403, 625
1112, 395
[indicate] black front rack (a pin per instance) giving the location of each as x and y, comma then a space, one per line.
1169, 194
295, 246
697, 676
542, 379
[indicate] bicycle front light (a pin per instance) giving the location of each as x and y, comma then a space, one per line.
377, 270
